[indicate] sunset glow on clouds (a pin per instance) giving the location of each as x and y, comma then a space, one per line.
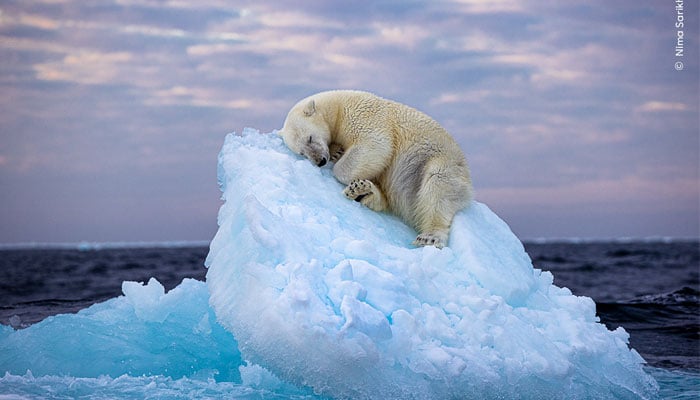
572, 115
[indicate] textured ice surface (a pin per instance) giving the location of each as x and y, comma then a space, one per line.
145, 344
326, 293
145, 332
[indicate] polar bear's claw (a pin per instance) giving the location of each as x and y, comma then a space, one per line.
430, 239
336, 151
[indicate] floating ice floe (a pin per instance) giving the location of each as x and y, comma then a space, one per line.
325, 293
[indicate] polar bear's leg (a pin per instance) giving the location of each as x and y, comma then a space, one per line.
363, 160
336, 151
435, 229
367, 193
444, 191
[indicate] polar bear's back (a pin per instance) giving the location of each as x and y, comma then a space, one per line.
362, 112
422, 148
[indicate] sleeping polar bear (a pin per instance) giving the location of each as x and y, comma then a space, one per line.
391, 157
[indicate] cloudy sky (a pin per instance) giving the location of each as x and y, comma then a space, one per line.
573, 116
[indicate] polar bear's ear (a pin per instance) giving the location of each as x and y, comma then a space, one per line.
310, 108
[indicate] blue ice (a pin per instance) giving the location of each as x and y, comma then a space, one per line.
309, 294
328, 294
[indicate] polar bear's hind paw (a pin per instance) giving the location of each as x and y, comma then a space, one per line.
430, 239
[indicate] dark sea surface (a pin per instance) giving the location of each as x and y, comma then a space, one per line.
649, 288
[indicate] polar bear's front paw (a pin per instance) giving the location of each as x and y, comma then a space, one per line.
367, 193
436, 239
336, 151
358, 189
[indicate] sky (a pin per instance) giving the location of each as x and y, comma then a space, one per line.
576, 117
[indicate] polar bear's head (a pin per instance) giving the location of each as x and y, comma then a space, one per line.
307, 133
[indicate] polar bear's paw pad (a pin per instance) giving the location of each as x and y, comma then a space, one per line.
358, 189
431, 239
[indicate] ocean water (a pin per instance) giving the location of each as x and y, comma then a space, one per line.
650, 288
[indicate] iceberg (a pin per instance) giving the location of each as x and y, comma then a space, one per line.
327, 294
309, 294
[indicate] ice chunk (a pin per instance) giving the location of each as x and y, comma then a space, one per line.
323, 292
145, 332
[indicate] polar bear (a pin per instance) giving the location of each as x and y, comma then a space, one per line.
391, 157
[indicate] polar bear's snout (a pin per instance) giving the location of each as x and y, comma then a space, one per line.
317, 153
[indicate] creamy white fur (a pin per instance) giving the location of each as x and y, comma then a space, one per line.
390, 156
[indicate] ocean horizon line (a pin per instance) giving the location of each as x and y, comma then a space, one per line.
98, 245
